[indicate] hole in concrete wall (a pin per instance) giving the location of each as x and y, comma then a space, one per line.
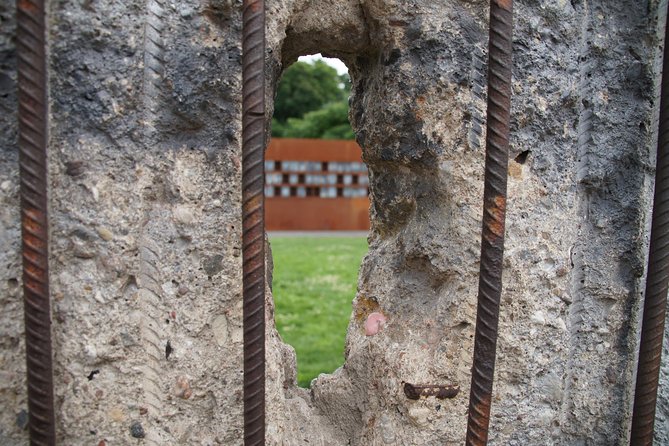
317, 212
522, 157
314, 282
312, 100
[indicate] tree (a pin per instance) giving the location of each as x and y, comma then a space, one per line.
307, 88
330, 122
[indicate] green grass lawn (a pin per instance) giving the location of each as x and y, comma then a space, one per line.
315, 280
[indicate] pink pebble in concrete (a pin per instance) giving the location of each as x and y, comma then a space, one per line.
374, 323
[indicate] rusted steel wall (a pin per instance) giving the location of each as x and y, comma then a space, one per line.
316, 184
313, 149
314, 213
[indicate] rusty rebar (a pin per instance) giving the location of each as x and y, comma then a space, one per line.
32, 95
253, 218
439, 391
657, 281
494, 206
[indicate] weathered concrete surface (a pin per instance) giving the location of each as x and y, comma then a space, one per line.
145, 209
13, 396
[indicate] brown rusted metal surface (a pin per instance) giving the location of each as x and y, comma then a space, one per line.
492, 240
307, 213
253, 219
314, 150
32, 94
415, 391
317, 214
657, 281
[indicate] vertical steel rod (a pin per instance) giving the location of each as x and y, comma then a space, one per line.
253, 219
657, 280
494, 207
32, 95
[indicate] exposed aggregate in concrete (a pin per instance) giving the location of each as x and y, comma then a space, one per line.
145, 221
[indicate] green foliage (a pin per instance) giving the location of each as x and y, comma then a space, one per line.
312, 102
305, 87
330, 122
278, 128
314, 284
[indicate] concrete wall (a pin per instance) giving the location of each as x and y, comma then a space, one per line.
145, 221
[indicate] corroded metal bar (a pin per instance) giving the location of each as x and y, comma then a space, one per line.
439, 391
657, 281
492, 238
32, 94
253, 218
